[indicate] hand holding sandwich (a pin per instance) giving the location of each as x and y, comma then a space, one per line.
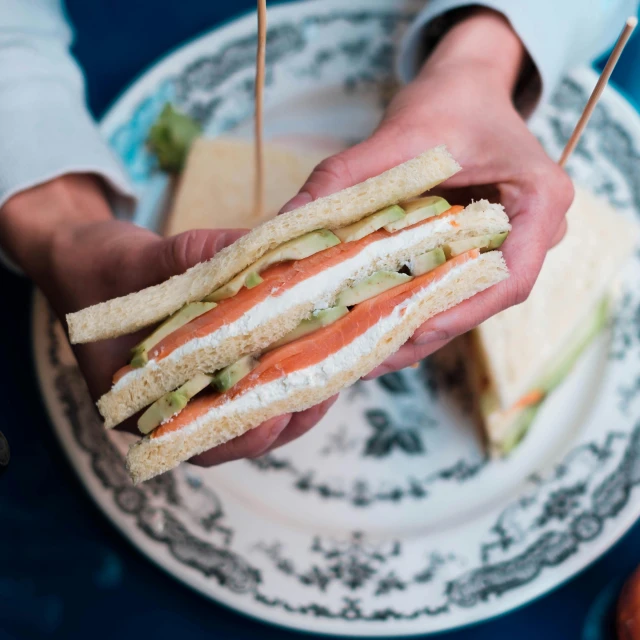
463, 96
78, 255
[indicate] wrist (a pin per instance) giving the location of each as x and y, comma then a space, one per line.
483, 48
32, 221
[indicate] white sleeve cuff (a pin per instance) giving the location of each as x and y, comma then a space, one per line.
527, 20
47, 132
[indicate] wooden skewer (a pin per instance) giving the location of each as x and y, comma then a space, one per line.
259, 143
629, 26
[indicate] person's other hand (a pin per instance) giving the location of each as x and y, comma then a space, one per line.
62, 234
463, 98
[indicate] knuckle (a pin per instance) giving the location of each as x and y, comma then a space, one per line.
214, 241
396, 127
179, 249
521, 289
558, 186
335, 167
184, 251
561, 232
564, 190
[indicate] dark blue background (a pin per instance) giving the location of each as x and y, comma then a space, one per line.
64, 570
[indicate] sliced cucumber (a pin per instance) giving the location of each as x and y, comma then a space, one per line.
172, 403
484, 243
319, 319
370, 287
418, 210
518, 430
371, 223
194, 386
253, 280
161, 411
226, 378
426, 262
296, 249
185, 315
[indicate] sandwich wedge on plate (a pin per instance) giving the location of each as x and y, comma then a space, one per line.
522, 354
294, 311
219, 170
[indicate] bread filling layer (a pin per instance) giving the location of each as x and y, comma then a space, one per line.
313, 361
285, 286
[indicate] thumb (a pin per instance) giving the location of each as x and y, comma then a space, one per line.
375, 155
179, 253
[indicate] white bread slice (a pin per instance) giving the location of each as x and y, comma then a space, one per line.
220, 170
152, 456
518, 343
137, 310
146, 385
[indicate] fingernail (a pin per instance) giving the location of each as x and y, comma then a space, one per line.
429, 337
304, 197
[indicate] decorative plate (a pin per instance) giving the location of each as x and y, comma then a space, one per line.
387, 519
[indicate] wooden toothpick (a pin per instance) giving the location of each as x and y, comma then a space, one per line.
629, 26
258, 197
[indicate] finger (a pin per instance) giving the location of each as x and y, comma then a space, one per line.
560, 233
407, 356
377, 154
524, 251
181, 252
302, 422
249, 445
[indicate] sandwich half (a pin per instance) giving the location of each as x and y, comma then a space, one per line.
299, 308
522, 354
276, 300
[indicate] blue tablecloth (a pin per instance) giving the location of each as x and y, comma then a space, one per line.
64, 570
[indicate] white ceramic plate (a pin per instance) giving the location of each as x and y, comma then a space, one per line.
385, 520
